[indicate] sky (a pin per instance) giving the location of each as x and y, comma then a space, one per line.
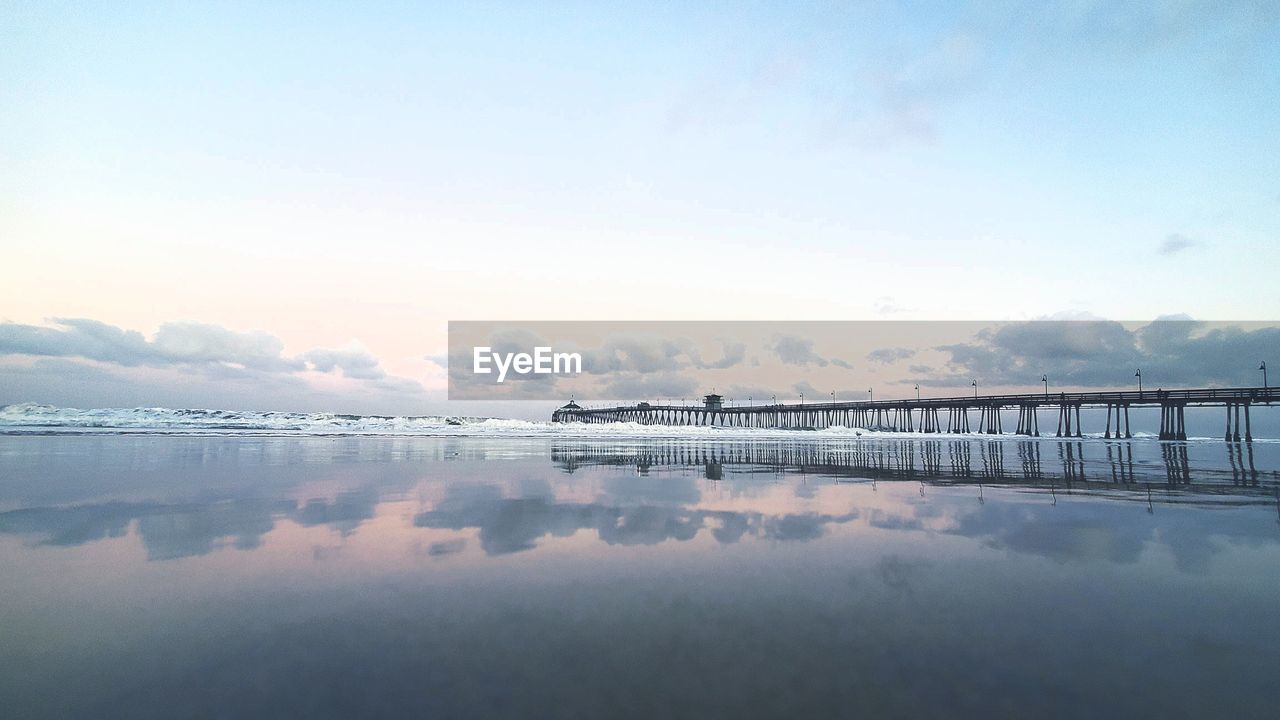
291, 200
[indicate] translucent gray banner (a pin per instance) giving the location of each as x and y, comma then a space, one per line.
783, 362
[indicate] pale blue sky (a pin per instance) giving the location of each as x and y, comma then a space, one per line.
338, 173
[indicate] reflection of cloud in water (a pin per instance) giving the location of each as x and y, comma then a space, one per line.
171, 531
798, 527
885, 520
1189, 476
1057, 532
661, 489
345, 513
510, 525
73, 525
1115, 533
900, 574
514, 513
199, 529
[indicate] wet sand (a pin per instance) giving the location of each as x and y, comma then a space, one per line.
394, 576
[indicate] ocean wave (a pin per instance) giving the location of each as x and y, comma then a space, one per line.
49, 417
30, 418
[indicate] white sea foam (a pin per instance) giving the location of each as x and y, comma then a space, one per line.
28, 418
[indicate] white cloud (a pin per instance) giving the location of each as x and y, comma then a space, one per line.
1176, 243
220, 354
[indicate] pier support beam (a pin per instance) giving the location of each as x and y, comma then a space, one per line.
1173, 421
1233, 434
1028, 422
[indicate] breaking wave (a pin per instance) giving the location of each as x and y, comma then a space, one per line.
30, 418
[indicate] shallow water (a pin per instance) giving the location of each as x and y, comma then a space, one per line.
160, 576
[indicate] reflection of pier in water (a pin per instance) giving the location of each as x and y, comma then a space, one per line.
1065, 463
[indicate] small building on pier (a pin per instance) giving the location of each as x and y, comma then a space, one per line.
566, 412
714, 401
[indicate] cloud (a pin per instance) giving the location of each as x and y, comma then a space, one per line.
354, 362
633, 353
1105, 354
1176, 243
734, 354
887, 305
900, 88
447, 547
1122, 30
83, 383
619, 365
213, 350
82, 338
804, 388
751, 393
622, 352
795, 350
658, 385
197, 343
618, 352
913, 90
884, 356
464, 384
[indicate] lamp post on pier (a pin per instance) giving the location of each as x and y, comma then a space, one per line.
917, 392
1045, 379
1139, 376
975, 388
1263, 368
872, 395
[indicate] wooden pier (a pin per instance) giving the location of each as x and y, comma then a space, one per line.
980, 414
